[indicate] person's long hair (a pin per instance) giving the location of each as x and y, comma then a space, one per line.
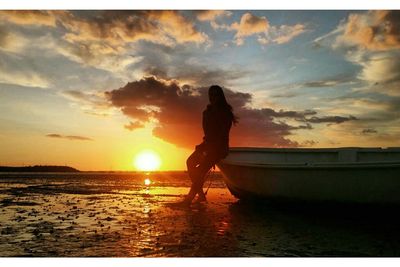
222, 103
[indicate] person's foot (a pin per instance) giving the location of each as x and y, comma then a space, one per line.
201, 198
186, 201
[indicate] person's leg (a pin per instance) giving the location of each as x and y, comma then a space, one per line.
200, 176
202, 195
193, 162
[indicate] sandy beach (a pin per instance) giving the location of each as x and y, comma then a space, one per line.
108, 215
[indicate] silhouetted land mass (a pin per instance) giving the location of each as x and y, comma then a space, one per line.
38, 168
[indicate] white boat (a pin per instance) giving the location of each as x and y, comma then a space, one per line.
350, 175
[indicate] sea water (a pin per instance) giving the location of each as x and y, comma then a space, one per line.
118, 215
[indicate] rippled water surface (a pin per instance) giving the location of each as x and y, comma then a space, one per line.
116, 215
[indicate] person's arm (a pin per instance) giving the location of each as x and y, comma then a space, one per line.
224, 125
202, 145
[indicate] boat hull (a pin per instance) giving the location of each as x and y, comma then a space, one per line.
374, 183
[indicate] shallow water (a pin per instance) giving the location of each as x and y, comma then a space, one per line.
116, 215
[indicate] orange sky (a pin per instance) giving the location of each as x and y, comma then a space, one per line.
92, 89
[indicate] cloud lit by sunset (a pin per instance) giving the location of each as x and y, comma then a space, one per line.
105, 85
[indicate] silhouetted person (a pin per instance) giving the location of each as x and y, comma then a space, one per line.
217, 121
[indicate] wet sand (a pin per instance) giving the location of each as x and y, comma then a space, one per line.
46, 217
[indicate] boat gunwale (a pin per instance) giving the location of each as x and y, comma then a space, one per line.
310, 165
314, 150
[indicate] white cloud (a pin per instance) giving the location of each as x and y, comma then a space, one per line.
285, 33
14, 69
23, 78
11, 41
29, 17
251, 25
211, 15
94, 54
377, 30
92, 103
381, 68
370, 40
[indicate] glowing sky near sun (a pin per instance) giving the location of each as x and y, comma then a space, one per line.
92, 89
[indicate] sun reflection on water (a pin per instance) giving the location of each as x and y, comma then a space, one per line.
222, 228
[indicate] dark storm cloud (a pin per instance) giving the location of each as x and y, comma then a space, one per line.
175, 108
178, 111
69, 137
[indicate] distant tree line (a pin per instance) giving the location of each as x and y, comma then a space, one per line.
38, 168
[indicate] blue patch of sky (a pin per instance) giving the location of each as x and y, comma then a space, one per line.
297, 61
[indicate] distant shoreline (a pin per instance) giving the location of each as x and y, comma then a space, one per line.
68, 169
38, 168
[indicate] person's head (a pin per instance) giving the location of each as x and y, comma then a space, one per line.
217, 99
216, 96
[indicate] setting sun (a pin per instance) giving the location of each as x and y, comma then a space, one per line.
147, 161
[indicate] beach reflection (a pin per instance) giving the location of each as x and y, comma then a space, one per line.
203, 231
125, 218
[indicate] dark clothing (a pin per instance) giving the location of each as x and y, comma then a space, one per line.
217, 123
198, 165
